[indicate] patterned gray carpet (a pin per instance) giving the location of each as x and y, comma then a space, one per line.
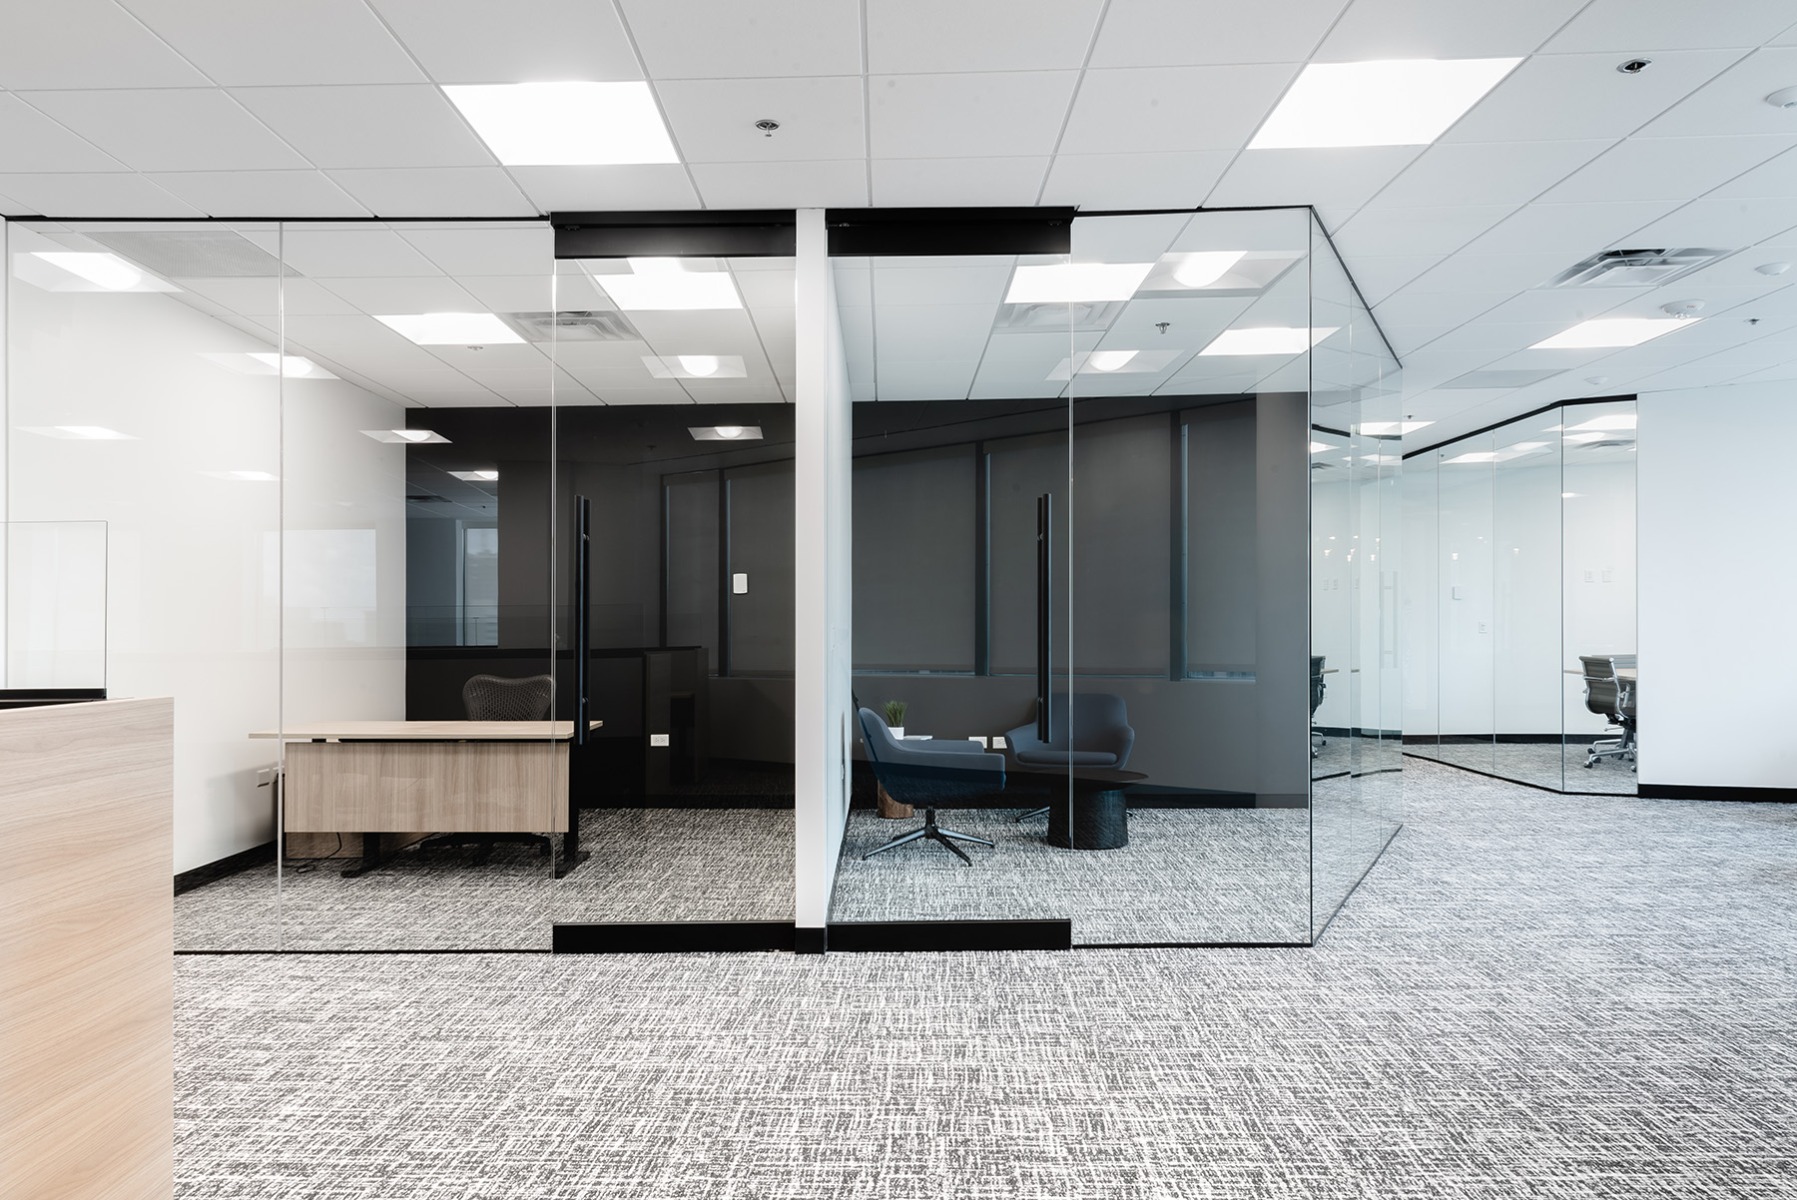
1544, 764
1530, 996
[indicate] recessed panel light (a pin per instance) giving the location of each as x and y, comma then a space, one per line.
414, 437
290, 365
725, 433
106, 270
1322, 447
477, 476
1391, 428
1268, 339
1072, 283
1394, 102
451, 328
1608, 421
1578, 439
1206, 267
695, 366
86, 433
1474, 456
1610, 333
663, 285
259, 362
1109, 360
566, 124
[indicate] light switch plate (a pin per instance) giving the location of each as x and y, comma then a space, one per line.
739, 583
978, 740
658, 739
998, 743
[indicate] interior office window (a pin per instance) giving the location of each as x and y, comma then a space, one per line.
1122, 517
915, 518
1221, 559
691, 562
480, 584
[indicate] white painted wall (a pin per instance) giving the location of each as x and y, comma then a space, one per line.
823, 603
194, 602
1717, 583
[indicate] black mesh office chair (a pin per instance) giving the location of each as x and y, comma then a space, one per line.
499, 698
1613, 698
1317, 688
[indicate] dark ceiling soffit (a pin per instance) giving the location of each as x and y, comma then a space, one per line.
949, 231
1533, 412
746, 233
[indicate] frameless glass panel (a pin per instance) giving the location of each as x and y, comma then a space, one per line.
959, 433
1419, 619
1597, 516
144, 396
675, 422
1464, 585
53, 601
1525, 568
424, 782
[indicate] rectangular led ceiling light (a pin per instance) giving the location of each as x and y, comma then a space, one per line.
1394, 102
85, 271
1269, 339
477, 476
1392, 428
725, 433
451, 329
566, 124
1075, 283
1204, 268
412, 437
1612, 333
86, 433
1608, 421
664, 285
291, 366
695, 366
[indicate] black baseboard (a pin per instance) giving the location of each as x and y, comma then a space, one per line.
670, 937
809, 941
1503, 739
1680, 791
853, 936
243, 860
737, 801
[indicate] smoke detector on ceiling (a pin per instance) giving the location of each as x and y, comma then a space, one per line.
1783, 98
1773, 268
1635, 267
1684, 310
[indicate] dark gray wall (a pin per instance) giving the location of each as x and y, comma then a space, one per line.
1221, 536
915, 520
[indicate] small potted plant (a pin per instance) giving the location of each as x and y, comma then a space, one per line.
895, 717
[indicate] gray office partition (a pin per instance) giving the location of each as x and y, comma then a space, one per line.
1521, 565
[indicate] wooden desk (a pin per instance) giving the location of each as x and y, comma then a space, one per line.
375, 777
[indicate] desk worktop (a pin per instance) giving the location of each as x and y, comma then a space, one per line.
426, 731
1625, 674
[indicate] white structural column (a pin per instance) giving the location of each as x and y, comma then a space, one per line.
822, 725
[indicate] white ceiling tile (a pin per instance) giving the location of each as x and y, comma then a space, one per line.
1122, 181
513, 293
1568, 96
376, 126
1489, 172
95, 195
1724, 224
1390, 229
1560, 306
923, 36
343, 252
1776, 177
522, 41
583, 189
1176, 33
984, 284
1489, 273
1153, 110
1665, 168
170, 129
1577, 229
403, 294
1138, 238
33, 142
932, 182
1632, 27
1378, 276
1734, 102
260, 193
1376, 29
516, 356
713, 120
87, 44
268, 296
321, 41
766, 291
738, 39
932, 332
477, 250
1499, 337
1341, 178
360, 341
437, 191
1015, 114
783, 185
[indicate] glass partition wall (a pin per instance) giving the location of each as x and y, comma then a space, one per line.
1162, 397
1522, 548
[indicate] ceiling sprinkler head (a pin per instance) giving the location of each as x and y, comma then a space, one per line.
767, 127
1163, 326
1684, 310
1634, 66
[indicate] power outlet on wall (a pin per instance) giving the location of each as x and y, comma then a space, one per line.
998, 743
658, 739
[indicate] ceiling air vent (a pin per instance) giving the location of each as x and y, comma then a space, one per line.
1635, 268
1087, 316
193, 253
573, 326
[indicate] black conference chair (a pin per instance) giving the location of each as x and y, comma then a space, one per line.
1612, 698
1090, 729
929, 774
500, 698
1317, 688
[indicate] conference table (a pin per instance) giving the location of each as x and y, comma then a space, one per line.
387, 777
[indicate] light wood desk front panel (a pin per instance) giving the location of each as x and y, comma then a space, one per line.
87, 951
444, 787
